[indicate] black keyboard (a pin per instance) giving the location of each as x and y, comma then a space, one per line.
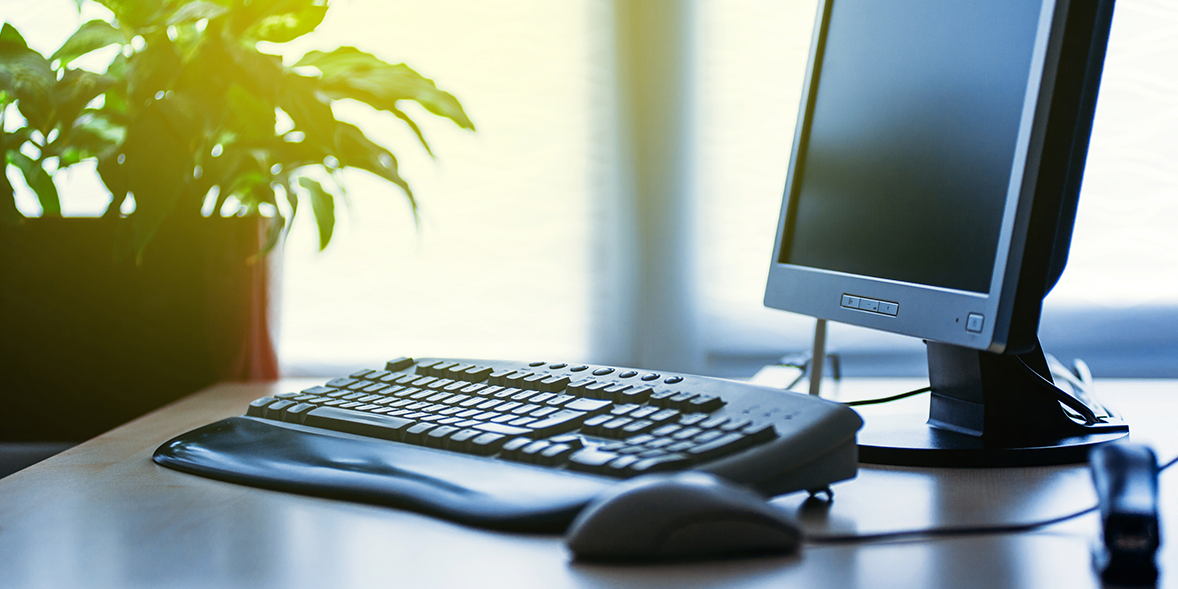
518, 445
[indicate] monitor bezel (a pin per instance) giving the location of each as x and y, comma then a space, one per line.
925, 311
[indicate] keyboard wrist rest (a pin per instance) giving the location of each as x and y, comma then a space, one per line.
298, 459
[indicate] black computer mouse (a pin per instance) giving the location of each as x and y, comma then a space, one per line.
673, 517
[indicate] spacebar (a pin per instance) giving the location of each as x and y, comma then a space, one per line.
354, 422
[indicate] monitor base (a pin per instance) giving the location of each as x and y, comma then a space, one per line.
993, 410
901, 440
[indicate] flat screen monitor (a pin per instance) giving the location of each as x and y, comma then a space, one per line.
931, 192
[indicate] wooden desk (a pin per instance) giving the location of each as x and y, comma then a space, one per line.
103, 515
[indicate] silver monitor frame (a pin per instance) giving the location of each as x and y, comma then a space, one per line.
925, 311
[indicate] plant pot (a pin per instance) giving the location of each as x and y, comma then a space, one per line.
90, 339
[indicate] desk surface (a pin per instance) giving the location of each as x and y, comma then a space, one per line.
103, 515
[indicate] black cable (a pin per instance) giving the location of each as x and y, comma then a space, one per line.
955, 531
887, 399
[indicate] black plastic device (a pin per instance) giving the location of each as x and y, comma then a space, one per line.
932, 192
1126, 480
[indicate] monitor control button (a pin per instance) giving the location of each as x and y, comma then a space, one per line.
889, 308
850, 302
974, 322
869, 305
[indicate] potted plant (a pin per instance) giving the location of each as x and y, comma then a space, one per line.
208, 146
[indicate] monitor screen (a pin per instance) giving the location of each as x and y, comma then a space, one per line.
907, 166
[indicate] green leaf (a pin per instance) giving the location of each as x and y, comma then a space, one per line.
284, 27
274, 231
10, 36
152, 70
91, 137
358, 151
91, 36
8, 211
351, 73
323, 209
114, 176
40, 181
194, 11
135, 14
26, 75
412, 125
158, 164
74, 90
310, 112
252, 117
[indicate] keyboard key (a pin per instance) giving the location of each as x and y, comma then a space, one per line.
436, 438
476, 373
559, 400
592, 424
398, 364
590, 460
498, 376
687, 432
499, 428
559, 422
541, 397
736, 424
621, 466
635, 395
660, 464
506, 393
525, 409
297, 413
554, 383
319, 390
660, 397
456, 371
532, 381
459, 441
341, 382
756, 433
439, 369
714, 422
417, 432
524, 395
354, 422
590, 406
622, 409
706, 403
424, 366
637, 427
680, 400
660, 443
642, 412
667, 430
486, 443
719, 447
578, 388
664, 415
512, 448
597, 390
707, 436
257, 407
476, 389
692, 418
554, 454
544, 411
531, 451
277, 409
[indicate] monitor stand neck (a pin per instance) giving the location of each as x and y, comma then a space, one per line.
991, 410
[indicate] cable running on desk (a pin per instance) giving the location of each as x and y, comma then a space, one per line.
955, 531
